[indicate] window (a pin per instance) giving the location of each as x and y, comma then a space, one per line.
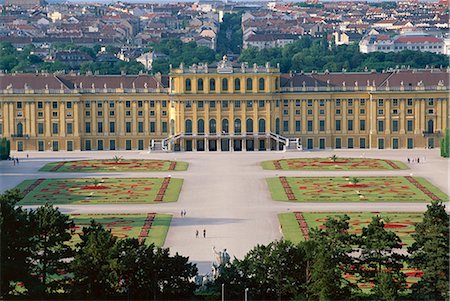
237, 126
111, 104
69, 128
380, 112
350, 125
40, 128
212, 104
321, 103
237, 104
362, 111
140, 127
164, 113
395, 102
409, 102
409, 126
112, 144
261, 84
362, 142
87, 104
69, 146
249, 126
87, 127
380, 143
128, 127
249, 85
297, 112
409, 111
55, 114
200, 84
69, 105
261, 103
321, 112
127, 144
200, 104
262, 126
380, 102
338, 143
225, 126
338, 125
362, 125
350, 111
298, 126
338, 102
188, 86
395, 112
88, 113
297, 102
322, 125
201, 126
212, 84
310, 112
237, 84
164, 104
338, 111
212, 126
410, 143
99, 104
140, 104
350, 143
277, 103
111, 113
40, 145
99, 144
55, 146
188, 104
112, 127
99, 113
431, 102
380, 125
140, 144
350, 102
152, 127
362, 102
224, 84
285, 112
128, 113
249, 104
19, 105
224, 104
310, 102
55, 128
285, 125
164, 126
395, 125
152, 103
40, 104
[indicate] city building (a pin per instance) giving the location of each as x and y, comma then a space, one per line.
413, 41
224, 107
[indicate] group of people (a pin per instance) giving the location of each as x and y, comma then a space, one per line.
415, 160
15, 160
197, 233
183, 213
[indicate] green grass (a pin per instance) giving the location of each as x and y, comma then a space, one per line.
125, 226
125, 165
339, 189
328, 164
115, 191
401, 223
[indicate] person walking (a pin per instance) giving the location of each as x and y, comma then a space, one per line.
181, 213
184, 212
204, 233
196, 233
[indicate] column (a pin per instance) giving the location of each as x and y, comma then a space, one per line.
231, 118
33, 118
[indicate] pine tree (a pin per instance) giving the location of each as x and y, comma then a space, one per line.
429, 253
379, 260
51, 233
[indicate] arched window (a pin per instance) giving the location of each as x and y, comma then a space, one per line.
188, 84
276, 83
212, 126
224, 84
19, 132
277, 126
237, 84
430, 127
200, 84
249, 126
261, 84
212, 84
249, 84
261, 126
188, 126
237, 126
225, 126
201, 126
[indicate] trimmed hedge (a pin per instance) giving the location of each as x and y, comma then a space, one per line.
5, 149
445, 144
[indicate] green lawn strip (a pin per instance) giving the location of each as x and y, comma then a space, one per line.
173, 191
269, 165
433, 189
117, 191
290, 227
159, 229
24, 185
338, 189
276, 189
99, 166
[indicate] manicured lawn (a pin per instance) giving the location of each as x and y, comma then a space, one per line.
124, 165
400, 223
100, 191
127, 226
338, 164
340, 189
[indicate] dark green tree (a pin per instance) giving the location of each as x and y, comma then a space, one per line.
445, 144
429, 253
51, 233
380, 260
15, 235
94, 266
5, 149
332, 260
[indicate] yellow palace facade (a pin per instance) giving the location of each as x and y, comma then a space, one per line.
225, 107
